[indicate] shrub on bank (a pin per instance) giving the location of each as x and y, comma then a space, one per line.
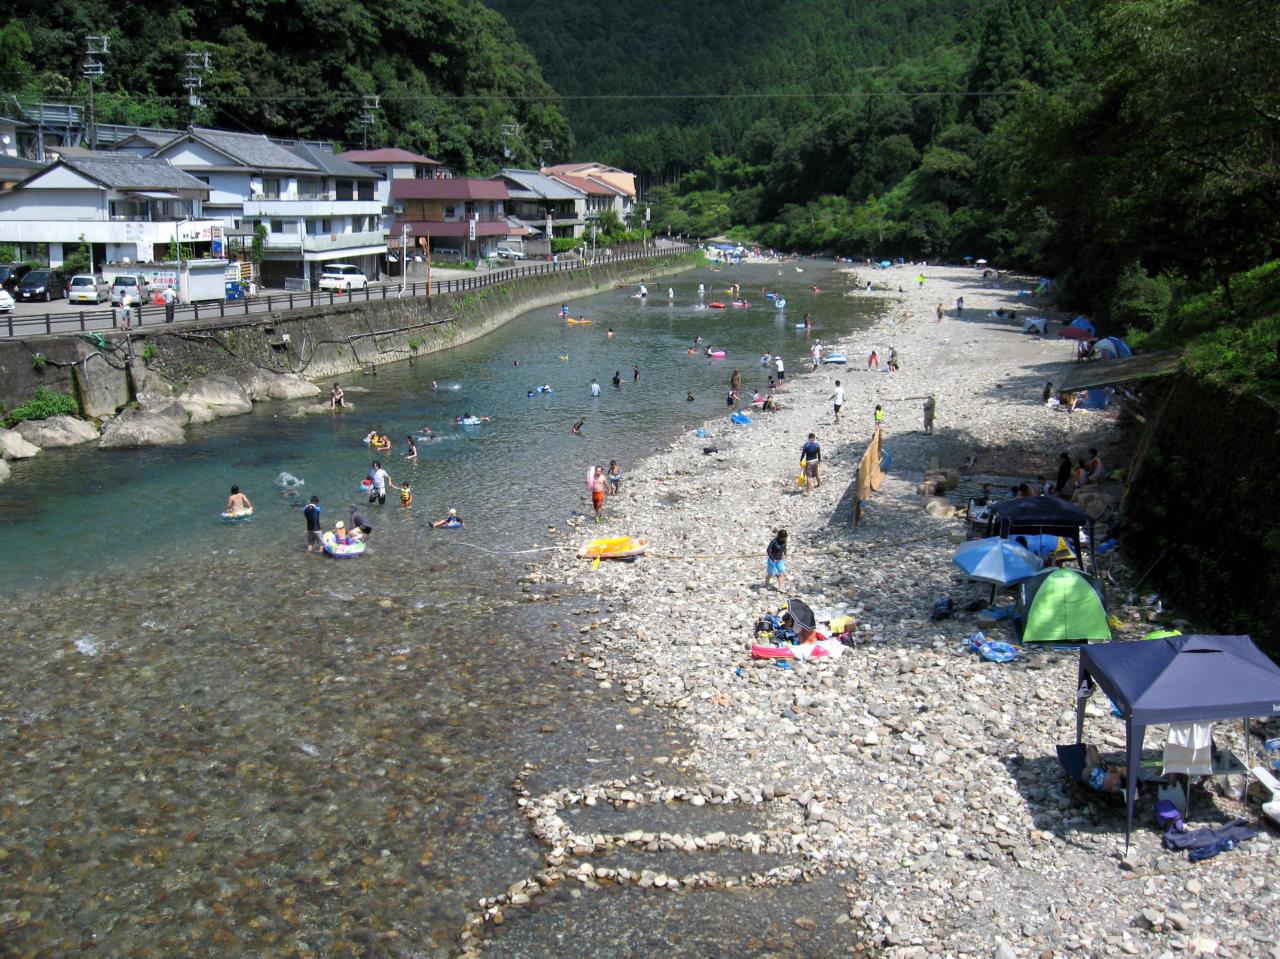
44, 404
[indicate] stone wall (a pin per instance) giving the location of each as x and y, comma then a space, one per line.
321, 343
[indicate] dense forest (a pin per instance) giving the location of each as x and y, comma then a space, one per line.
1130, 149
450, 73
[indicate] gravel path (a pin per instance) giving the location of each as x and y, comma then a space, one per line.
924, 772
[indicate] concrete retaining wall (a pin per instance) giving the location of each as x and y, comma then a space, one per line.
321, 343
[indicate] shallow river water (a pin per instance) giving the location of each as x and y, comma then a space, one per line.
213, 743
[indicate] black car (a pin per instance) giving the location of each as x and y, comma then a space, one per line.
11, 275
43, 285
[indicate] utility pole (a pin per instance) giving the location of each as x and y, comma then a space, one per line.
544, 148
370, 104
95, 46
197, 67
404, 255
510, 137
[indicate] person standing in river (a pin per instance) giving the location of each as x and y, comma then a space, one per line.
311, 512
617, 379
735, 382
930, 408
635, 373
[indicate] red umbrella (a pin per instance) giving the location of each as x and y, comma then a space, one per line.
1075, 333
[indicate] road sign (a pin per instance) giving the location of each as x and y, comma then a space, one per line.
471, 229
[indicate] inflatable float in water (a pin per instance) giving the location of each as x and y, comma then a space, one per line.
578, 322
236, 514
780, 303
716, 305
342, 550
614, 547
716, 354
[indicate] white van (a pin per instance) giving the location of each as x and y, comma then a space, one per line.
343, 276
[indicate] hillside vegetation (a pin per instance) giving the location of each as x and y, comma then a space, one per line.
297, 69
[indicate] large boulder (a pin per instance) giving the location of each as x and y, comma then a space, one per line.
135, 428
315, 409
14, 447
261, 385
170, 409
939, 507
57, 432
213, 396
4, 471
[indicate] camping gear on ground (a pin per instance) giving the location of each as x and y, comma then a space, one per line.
942, 609
1083, 323
1207, 843
1112, 348
1271, 807
614, 547
995, 560
1169, 817
993, 650
1061, 605
1035, 324
1041, 516
1188, 750
741, 418
1178, 679
801, 614
1074, 333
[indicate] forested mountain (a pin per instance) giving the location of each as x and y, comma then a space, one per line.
449, 73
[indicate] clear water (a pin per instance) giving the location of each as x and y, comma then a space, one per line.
212, 742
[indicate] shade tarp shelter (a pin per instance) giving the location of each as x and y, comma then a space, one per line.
1062, 605
1177, 679
1040, 515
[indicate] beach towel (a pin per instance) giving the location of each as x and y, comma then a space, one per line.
1189, 749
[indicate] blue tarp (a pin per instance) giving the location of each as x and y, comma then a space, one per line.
1178, 679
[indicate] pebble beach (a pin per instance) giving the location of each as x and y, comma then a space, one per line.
921, 775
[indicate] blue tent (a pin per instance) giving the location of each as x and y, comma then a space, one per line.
1083, 323
1112, 348
1040, 516
885, 264
1177, 679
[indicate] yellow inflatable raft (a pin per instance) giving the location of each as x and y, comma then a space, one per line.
614, 547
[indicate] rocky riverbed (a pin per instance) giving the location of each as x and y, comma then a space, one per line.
920, 773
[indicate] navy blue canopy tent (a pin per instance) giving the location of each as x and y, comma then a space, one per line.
1177, 679
1042, 515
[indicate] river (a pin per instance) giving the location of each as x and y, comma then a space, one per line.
211, 742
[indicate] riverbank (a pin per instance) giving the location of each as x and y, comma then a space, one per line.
923, 774
189, 374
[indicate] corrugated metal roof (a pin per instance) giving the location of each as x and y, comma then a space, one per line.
333, 165
126, 172
251, 150
1088, 376
543, 187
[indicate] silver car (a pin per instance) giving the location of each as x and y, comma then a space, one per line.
87, 288
129, 283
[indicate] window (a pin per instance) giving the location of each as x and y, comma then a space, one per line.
450, 212
324, 227
366, 189
203, 178
343, 189
270, 186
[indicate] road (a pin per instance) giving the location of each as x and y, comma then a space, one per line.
61, 317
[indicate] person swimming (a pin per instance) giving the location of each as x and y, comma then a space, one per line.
451, 521
576, 428
689, 398
609, 334
413, 449
468, 420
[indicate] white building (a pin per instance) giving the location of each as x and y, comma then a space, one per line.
607, 187
129, 209
315, 207
544, 204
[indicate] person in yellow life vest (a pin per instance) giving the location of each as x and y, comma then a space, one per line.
406, 496
879, 415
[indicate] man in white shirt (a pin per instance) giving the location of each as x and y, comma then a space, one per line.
782, 373
595, 388
170, 298
381, 480
837, 399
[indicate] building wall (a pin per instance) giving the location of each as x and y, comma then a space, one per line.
33, 203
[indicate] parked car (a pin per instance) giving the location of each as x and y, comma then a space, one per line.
131, 283
42, 285
87, 288
11, 275
6, 301
343, 276
507, 253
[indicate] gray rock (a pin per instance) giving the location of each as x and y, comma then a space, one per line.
4, 471
57, 432
261, 385
136, 428
218, 395
14, 447
316, 409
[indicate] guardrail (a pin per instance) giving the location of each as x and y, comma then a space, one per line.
153, 315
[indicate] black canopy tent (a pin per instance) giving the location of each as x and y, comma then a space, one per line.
1177, 679
1043, 515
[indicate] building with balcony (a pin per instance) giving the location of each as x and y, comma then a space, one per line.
128, 209
460, 213
314, 206
543, 203
606, 187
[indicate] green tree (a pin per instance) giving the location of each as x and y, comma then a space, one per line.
78, 260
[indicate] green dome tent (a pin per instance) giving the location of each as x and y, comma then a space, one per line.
1062, 605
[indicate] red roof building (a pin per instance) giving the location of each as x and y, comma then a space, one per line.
457, 188
387, 155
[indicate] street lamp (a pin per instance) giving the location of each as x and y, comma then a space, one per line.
404, 254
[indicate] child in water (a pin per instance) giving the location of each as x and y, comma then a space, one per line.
576, 428
449, 522
614, 477
406, 496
